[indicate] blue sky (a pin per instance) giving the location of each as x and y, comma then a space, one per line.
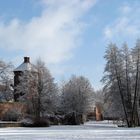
70, 36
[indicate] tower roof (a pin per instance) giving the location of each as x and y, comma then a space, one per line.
26, 66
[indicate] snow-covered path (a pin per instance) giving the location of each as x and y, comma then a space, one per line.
89, 131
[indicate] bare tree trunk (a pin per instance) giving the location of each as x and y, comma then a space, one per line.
134, 109
120, 91
123, 102
128, 85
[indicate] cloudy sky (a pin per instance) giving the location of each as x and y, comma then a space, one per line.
71, 36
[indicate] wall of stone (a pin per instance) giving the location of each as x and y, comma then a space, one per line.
18, 107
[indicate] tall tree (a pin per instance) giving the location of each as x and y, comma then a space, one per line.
47, 89
127, 80
114, 75
136, 80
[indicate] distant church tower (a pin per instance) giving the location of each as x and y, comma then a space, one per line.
26, 66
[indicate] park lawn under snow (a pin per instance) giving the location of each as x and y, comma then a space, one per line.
89, 131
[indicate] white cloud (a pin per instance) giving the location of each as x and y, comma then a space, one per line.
126, 25
53, 35
126, 9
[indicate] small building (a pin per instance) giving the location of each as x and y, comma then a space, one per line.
26, 66
98, 110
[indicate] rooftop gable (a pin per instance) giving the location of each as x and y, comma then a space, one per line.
26, 66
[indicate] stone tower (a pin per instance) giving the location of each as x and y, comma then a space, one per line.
26, 66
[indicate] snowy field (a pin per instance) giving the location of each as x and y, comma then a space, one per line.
89, 131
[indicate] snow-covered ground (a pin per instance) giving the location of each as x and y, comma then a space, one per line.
89, 131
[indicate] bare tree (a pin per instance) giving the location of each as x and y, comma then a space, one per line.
136, 80
122, 75
47, 89
127, 79
77, 95
115, 75
112, 104
6, 80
